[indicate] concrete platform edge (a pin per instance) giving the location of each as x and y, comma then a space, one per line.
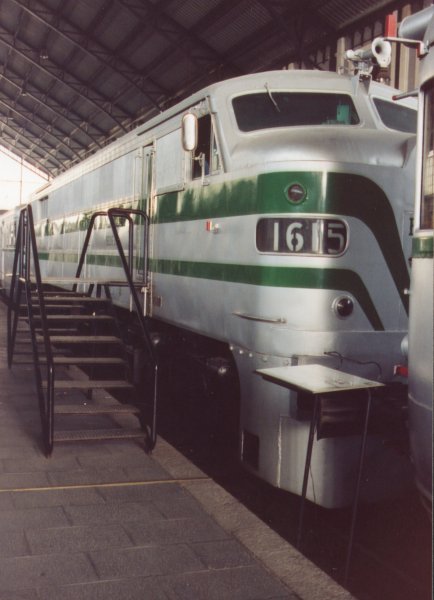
281, 559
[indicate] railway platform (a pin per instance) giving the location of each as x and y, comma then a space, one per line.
104, 520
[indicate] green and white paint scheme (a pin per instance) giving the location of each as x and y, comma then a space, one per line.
285, 234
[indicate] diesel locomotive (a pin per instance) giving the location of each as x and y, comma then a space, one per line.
280, 230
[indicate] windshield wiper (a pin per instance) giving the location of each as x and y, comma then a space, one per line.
270, 95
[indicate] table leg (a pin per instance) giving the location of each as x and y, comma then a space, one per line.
307, 468
357, 490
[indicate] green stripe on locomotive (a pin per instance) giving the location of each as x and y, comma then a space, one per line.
288, 277
327, 193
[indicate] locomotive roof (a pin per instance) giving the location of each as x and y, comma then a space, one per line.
219, 94
76, 75
291, 80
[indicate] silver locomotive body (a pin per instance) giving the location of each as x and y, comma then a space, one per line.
285, 238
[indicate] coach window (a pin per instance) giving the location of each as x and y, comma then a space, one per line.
206, 156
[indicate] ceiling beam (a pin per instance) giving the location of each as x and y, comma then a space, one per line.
20, 160
88, 44
27, 146
293, 23
46, 128
182, 40
22, 154
68, 80
45, 100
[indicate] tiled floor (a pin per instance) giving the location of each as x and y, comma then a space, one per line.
107, 521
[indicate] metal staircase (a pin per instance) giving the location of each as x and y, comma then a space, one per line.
80, 351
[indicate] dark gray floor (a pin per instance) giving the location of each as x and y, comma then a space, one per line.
106, 521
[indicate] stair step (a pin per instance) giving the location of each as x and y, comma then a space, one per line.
82, 339
25, 347
89, 360
95, 409
90, 384
73, 318
98, 434
64, 280
73, 300
66, 331
53, 307
74, 360
57, 294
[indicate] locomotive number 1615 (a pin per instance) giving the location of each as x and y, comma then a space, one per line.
301, 236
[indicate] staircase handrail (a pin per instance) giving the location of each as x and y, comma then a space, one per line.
12, 323
128, 266
26, 252
95, 215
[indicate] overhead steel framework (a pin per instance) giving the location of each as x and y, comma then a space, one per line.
75, 74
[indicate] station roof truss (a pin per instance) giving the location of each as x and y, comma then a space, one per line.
76, 74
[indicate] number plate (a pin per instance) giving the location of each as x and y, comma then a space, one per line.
302, 236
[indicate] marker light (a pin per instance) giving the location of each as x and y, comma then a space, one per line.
296, 193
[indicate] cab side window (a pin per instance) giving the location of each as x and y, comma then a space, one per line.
206, 157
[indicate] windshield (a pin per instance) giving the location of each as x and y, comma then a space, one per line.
427, 200
267, 109
396, 116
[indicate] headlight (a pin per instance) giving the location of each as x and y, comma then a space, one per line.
343, 306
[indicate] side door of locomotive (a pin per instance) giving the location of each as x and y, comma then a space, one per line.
180, 171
